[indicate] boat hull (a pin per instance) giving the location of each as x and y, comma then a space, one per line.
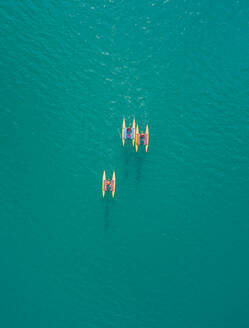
123, 127
136, 138
103, 184
147, 133
113, 184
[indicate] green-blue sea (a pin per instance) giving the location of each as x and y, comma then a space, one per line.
171, 250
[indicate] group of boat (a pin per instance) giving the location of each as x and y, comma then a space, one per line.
133, 134
138, 138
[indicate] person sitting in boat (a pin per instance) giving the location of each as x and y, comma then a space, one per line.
108, 182
142, 135
129, 131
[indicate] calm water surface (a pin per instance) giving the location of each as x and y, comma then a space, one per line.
172, 249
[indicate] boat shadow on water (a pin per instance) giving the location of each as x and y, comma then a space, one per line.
107, 206
133, 161
140, 158
129, 157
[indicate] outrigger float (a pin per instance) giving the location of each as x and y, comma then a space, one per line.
110, 183
128, 132
142, 136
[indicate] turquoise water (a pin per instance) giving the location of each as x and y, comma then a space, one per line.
172, 248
